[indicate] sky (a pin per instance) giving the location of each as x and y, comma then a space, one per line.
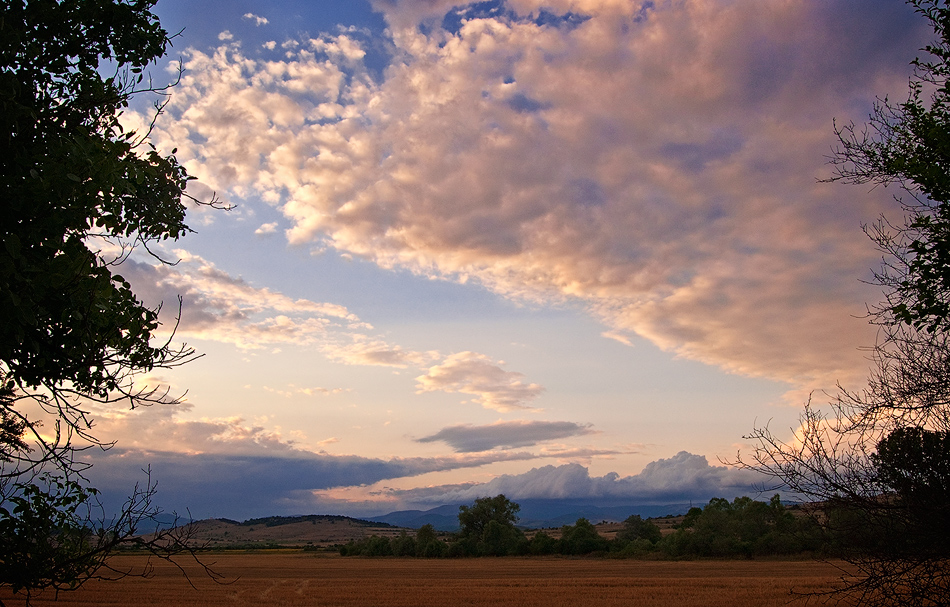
546, 248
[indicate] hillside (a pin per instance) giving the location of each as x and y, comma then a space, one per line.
292, 531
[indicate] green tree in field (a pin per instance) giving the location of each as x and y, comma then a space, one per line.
581, 538
74, 185
428, 544
542, 544
403, 545
636, 537
487, 527
635, 528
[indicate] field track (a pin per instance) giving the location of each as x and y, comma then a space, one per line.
299, 580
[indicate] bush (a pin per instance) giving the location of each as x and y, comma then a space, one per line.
581, 538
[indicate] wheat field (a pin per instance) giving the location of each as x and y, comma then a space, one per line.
304, 580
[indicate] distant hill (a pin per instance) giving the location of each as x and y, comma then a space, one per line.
443, 518
286, 531
535, 514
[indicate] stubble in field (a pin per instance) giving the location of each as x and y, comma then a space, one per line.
304, 580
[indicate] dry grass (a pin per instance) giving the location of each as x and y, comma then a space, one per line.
296, 579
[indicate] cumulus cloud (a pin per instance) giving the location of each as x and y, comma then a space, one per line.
680, 478
659, 165
506, 435
256, 19
266, 228
477, 375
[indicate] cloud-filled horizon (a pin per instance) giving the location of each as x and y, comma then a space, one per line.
226, 468
537, 247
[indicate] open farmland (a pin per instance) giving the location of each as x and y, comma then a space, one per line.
296, 579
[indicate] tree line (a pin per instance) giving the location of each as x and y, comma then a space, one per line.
743, 528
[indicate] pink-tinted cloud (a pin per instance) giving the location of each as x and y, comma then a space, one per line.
359, 349
219, 307
658, 163
680, 478
477, 375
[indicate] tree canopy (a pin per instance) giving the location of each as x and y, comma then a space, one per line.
474, 519
908, 144
878, 462
80, 194
70, 174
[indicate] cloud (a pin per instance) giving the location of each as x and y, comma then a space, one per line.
361, 349
267, 228
657, 165
256, 19
293, 390
619, 337
217, 306
507, 435
476, 374
681, 478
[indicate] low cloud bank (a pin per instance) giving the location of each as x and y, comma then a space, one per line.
681, 478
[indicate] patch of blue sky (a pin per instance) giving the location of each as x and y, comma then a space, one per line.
491, 9
375, 294
644, 13
568, 20
499, 9
200, 25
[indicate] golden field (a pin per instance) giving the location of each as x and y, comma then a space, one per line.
301, 579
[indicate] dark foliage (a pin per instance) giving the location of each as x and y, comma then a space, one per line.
742, 528
877, 463
79, 194
908, 144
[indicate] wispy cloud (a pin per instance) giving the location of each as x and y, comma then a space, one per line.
360, 349
477, 375
221, 307
507, 435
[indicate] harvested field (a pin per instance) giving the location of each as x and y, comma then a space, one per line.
297, 579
